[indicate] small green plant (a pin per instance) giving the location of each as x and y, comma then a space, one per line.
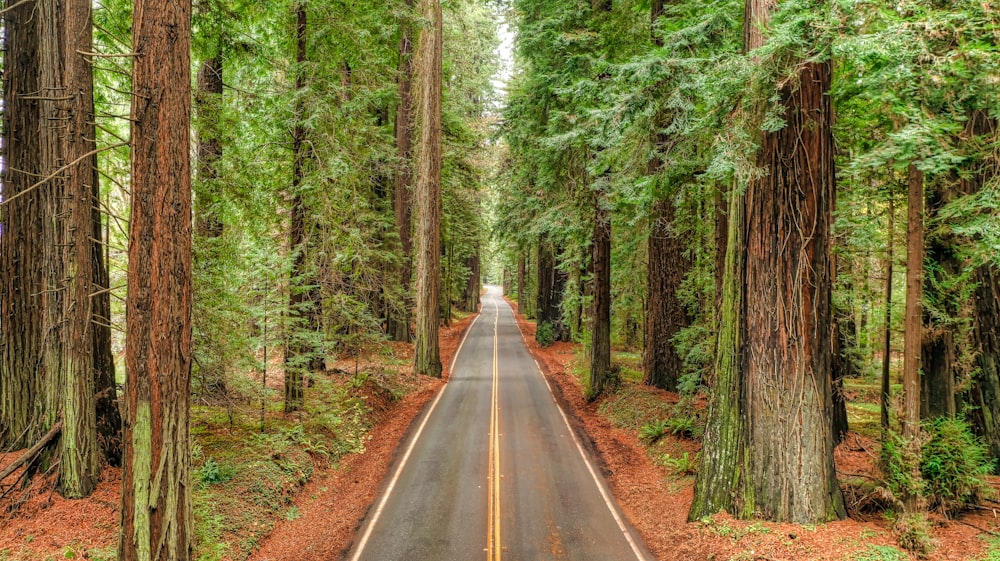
293, 513
880, 553
545, 334
213, 473
682, 426
685, 464
653, 431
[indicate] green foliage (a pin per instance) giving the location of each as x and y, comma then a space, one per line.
545, 334
947, 466
685, 464
955, 464
212, 473
651, 432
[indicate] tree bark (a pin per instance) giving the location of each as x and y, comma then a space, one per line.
788, 311
399, 322
773, 457
156, 477
551, 284
600, 363
910, 415
21, 245
427, 74
665, 314
522, 293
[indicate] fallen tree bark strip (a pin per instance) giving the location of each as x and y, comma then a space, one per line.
32, 452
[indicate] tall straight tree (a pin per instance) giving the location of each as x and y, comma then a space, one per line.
665, 314
21, 245
297, 350
600, 356
427, 74
399, 323
156, 476
779, 465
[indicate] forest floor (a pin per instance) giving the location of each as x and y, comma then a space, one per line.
654, 483
296, 490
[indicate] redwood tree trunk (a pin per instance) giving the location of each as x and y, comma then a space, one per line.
473, 285
772, 455
910, 415
887, 330
522, 293
665, 315
600, 359
156, 478
551, 283
787, 376
21, 243
399, 322
428, 189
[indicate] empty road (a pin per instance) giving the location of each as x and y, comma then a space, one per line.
493, 471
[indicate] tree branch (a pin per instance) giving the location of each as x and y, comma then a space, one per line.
32, 452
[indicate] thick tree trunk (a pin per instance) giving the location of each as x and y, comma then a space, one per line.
79, 452
784, 469
665, 314
298, 351
723, 487
399, 322
786, 357
910, 415
156, 478
427, 73
22, 248
600, 359
984, 395
208, 100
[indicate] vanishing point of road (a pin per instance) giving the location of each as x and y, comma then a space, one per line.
493, 470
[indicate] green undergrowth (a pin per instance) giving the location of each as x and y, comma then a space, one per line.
245, 479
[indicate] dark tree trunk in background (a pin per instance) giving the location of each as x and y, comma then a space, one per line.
298, 352
208, 100
427, 73
665, 316
522, 293
399, 322
21, 246
551, 284
156, 477
984, 394
600, 360
473, 285
939, 348
784, 468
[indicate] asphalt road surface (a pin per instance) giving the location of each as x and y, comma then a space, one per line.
493, 471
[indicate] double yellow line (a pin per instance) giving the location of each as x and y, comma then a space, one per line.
493, 548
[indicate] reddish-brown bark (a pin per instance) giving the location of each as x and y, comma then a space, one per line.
156, 479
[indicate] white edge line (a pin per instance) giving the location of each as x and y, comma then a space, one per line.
586, 460
406, 457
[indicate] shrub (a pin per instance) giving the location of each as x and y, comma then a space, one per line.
954, 465
913, 531
545, 334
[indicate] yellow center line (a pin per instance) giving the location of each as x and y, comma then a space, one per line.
493, 547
